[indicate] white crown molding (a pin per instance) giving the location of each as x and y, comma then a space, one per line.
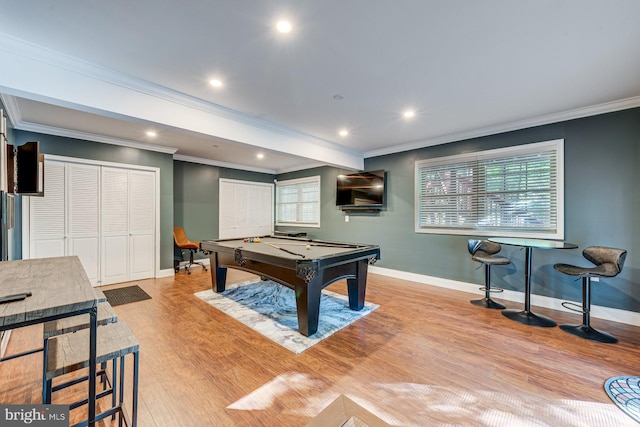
209, 162
12, 109
51, 130
594, 110
15, 116
93, 71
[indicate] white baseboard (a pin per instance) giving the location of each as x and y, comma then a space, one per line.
170, 272
606, 313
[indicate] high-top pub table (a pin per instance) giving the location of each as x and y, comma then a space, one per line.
59, 288
526, 316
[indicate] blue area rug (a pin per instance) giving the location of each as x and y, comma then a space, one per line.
270, 309
625, 392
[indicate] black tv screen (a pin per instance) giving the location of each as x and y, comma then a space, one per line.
29, 166
361, 189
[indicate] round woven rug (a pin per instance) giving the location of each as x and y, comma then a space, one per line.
625, 392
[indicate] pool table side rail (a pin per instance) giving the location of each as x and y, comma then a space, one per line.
297, 239
284, 260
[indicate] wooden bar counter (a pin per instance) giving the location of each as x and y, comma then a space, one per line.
59, 288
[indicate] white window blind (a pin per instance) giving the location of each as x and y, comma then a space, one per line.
515, 191
298, 202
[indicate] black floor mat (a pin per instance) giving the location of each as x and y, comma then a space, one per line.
126, 295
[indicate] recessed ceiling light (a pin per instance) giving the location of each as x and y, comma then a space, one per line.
283, 26
343, 132
409, 114
215, 82
260, 156
151, 133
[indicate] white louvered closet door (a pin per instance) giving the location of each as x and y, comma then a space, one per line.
83, 219
226, 211
142, 186
246, 209
263, 216
115, 225
47, 215
104, 215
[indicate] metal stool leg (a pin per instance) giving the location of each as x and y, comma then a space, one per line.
487, 302
585, 330
121, 401
134, 403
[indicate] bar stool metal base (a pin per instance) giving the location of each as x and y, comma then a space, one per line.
588, 333
528, 318
487, 303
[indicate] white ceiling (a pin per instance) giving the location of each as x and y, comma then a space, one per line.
110, 71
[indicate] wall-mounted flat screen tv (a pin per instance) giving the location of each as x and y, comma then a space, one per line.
365, 189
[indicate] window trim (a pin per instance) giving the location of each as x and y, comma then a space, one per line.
315, 179
556, 144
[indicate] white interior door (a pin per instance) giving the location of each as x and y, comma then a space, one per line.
115, 225
142, 225
226, 200
246, 209
263, 218
104, 214
83, 220
47, 216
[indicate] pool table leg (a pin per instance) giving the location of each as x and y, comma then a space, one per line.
218, 274
308, 307
357, 287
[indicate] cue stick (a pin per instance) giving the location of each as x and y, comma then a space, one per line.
283, 249
325, 245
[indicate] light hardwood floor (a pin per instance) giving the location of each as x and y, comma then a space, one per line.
425, 357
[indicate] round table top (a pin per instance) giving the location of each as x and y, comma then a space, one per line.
533, 243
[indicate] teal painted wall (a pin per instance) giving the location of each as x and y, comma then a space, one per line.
602, 207
196, 193
71, 147
602, 154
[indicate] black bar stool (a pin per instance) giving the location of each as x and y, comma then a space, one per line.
481, 251
608, 263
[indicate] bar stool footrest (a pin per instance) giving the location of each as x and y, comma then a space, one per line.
102, 373
495, 290
572, 306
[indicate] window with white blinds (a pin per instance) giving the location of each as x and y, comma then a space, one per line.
516, 191
298, 202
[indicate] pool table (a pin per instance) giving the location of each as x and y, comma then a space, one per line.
307, 266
